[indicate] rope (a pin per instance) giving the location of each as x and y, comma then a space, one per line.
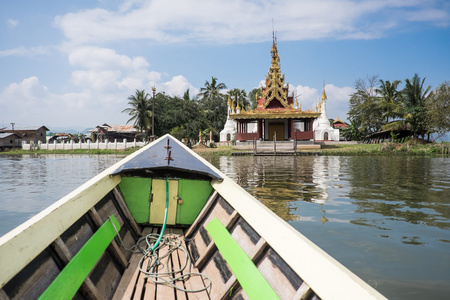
156, 263
154, 242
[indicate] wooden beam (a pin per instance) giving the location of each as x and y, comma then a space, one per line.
3, 295
251, 280
21, 245
201, 215
113, 248
88, 288
123, 206
75, 272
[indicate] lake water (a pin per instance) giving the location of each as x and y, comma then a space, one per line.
385, 218
30, 183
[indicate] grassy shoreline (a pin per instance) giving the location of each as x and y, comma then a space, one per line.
75, 151
414, 149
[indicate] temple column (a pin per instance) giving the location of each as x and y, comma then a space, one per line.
259, 129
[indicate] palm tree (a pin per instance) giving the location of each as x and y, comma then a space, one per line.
186, 96
353, 131
212, 89
140, 110
213, 105
390, 99
414, 96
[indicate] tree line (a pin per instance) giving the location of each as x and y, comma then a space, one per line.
185, 117
374, 106
378, 105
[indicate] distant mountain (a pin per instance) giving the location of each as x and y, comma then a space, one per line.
69, 130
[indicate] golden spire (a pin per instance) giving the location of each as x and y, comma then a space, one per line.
324, 95
275, 80
237, 107
229, 101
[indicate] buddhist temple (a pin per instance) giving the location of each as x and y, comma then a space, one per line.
338, 123
275, 115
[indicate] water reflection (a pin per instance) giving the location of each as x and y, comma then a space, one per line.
278, 181
409, 189
385, 218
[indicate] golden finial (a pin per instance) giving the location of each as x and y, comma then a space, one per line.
324, 95
229, 101
237, 97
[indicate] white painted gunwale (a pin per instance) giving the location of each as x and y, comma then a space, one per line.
22, 244
328, 278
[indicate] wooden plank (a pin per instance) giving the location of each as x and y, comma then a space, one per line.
33, 236
72, 276
3, 295
193, 228
141, 283
211, 248
123, 206
163, 291
243, 268
176, 266
106, 207
303, 291
88, 288
113, 248
127, 283
205, 256
284, 281
194, 282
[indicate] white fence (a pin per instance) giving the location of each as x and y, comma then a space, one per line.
71, 145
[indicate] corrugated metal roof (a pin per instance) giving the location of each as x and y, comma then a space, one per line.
25, 127
115, 128
122, 128
7, 134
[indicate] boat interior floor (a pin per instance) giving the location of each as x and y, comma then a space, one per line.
171, 261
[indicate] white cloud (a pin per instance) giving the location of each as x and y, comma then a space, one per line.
337, 98
24, 51
177, 86
12, 23
244, 21
100, 58
306, 96
101, 80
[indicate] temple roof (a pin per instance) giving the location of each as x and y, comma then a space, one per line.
274, 101
275, 86
275, 114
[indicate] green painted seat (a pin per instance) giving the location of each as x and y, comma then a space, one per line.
248, 275
67, 283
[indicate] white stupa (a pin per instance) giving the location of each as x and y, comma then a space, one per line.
321, 126
229, 130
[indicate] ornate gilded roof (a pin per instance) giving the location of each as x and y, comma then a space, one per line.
275, 85
274, 102
290, 113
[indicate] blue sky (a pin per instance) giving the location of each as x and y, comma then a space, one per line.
74, 63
